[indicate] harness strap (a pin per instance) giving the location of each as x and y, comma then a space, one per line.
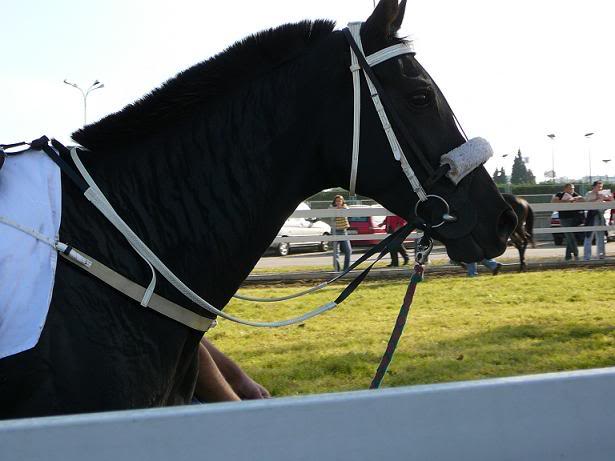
118, 281
137, 292
37, 235
42, 143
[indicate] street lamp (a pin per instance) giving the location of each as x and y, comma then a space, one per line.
94, 86
552, 137
508, 187
589, 154
606, 175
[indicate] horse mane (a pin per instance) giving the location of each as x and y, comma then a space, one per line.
203, 84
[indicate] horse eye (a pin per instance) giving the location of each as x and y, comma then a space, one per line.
421, 98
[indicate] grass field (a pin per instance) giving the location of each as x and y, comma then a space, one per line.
458, 329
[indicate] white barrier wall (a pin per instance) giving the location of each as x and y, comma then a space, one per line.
380, 211
563, 416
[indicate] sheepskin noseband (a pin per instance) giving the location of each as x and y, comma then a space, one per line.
465, 158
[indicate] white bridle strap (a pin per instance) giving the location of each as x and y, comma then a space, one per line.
356, 119
390, 52
373, 59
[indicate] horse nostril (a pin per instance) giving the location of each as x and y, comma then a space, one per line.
506, 224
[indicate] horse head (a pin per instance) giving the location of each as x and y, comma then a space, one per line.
468, 215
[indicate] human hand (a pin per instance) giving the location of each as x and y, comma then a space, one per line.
248, 389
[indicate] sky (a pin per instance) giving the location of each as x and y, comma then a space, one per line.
512, 71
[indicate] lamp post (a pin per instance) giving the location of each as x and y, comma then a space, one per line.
94, 86
606, 175
508, 187
552, 137
589, 154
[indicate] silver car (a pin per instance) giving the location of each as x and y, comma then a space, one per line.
300, 227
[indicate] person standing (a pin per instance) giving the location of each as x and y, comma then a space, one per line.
392, 224
490, 264
341, 228
595, 218
569, 218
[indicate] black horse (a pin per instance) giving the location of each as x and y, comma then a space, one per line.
205, 170
524, 232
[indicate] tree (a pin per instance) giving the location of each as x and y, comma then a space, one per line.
519, 173
503, 176
499, 176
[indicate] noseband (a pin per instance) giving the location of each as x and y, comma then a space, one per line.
456, 164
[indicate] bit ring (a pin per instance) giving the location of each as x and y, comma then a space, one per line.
446, 217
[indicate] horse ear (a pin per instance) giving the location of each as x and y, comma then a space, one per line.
386, 18
396, 25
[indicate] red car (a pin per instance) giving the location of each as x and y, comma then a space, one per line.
360, 225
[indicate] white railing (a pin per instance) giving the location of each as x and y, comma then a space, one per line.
380, 211
548, 417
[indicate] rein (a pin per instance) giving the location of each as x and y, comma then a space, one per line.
400, 323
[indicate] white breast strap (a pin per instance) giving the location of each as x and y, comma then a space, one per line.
373, 59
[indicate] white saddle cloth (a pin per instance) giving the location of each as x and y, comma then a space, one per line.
30, 195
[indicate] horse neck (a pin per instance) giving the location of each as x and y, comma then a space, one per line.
210, 197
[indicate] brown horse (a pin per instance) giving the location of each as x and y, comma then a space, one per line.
523, 233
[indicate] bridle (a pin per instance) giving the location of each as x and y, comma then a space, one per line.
385, 109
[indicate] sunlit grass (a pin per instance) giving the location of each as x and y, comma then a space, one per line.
458, 329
